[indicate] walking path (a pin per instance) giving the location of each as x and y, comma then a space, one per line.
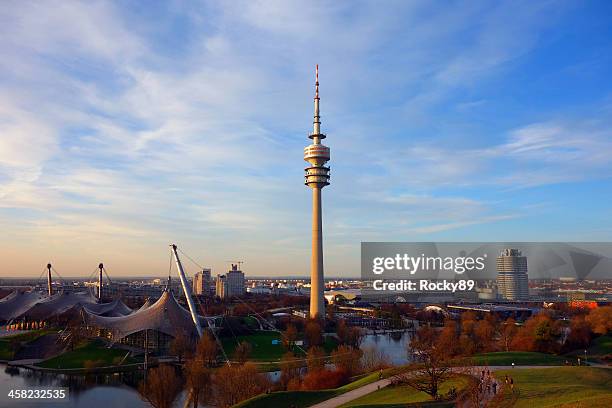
353, 395
375, 386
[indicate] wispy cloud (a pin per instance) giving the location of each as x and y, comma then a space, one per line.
122, 129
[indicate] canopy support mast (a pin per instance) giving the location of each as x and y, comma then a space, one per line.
187, 291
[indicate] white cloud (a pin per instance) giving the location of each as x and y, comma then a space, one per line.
107, 128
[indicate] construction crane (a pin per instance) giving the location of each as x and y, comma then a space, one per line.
187, 290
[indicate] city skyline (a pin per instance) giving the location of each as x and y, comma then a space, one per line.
125, 128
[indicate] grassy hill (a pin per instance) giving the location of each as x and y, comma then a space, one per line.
557, 387
506, 358
399, 396
6, 351
302, 399
91, 352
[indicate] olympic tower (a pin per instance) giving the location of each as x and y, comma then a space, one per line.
317, 177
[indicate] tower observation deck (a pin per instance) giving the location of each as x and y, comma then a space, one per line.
317, 177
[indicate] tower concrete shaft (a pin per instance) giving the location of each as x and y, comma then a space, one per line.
317, 177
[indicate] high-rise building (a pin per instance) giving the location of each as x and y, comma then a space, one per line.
231, 284
317, 177
202, 282
512, 278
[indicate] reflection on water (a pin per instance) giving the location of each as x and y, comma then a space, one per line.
86, 391
119, 390
393, 344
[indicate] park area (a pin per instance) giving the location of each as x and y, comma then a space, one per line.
507, 358
90, 354
302, 399
268, 345
557, 387
403, 395
10, 344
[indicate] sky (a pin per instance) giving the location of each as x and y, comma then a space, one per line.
128, 125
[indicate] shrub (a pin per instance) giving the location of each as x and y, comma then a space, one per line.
324, 379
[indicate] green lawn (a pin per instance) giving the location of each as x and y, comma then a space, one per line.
301, 399
5, 350
601, 347
261, 344
264, 350
506, 358
90, 351
5, 342
401, 395
558, 387
251, 322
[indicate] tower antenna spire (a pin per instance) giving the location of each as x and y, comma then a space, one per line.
316, 123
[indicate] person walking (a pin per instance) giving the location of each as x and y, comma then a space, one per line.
494, 388
512, 384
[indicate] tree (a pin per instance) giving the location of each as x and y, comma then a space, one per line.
434, 363
600, 320
540, 333
181, 346
580, 333
290, 368
507, 333
242, 352
324, 380
198, 382
289, 337
351, 336
484, 332
315, 359
347, 358
449, 338
342, 331
238, 382
373, 359
161, 387
206, 350
313, 333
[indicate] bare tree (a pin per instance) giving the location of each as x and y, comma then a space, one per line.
347, 358
290, 368
207, 350
161, 387
198, 381
315, 359
507, 333
181, 346
374, 359
237, 383
313, 333
289, 337
433, 367
242, 352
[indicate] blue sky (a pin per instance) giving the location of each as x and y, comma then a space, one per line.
125, 126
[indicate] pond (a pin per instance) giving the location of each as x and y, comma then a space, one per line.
90, 391
392, 344
119, 390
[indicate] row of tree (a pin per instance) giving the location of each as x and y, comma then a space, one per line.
223, 387
543, 332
